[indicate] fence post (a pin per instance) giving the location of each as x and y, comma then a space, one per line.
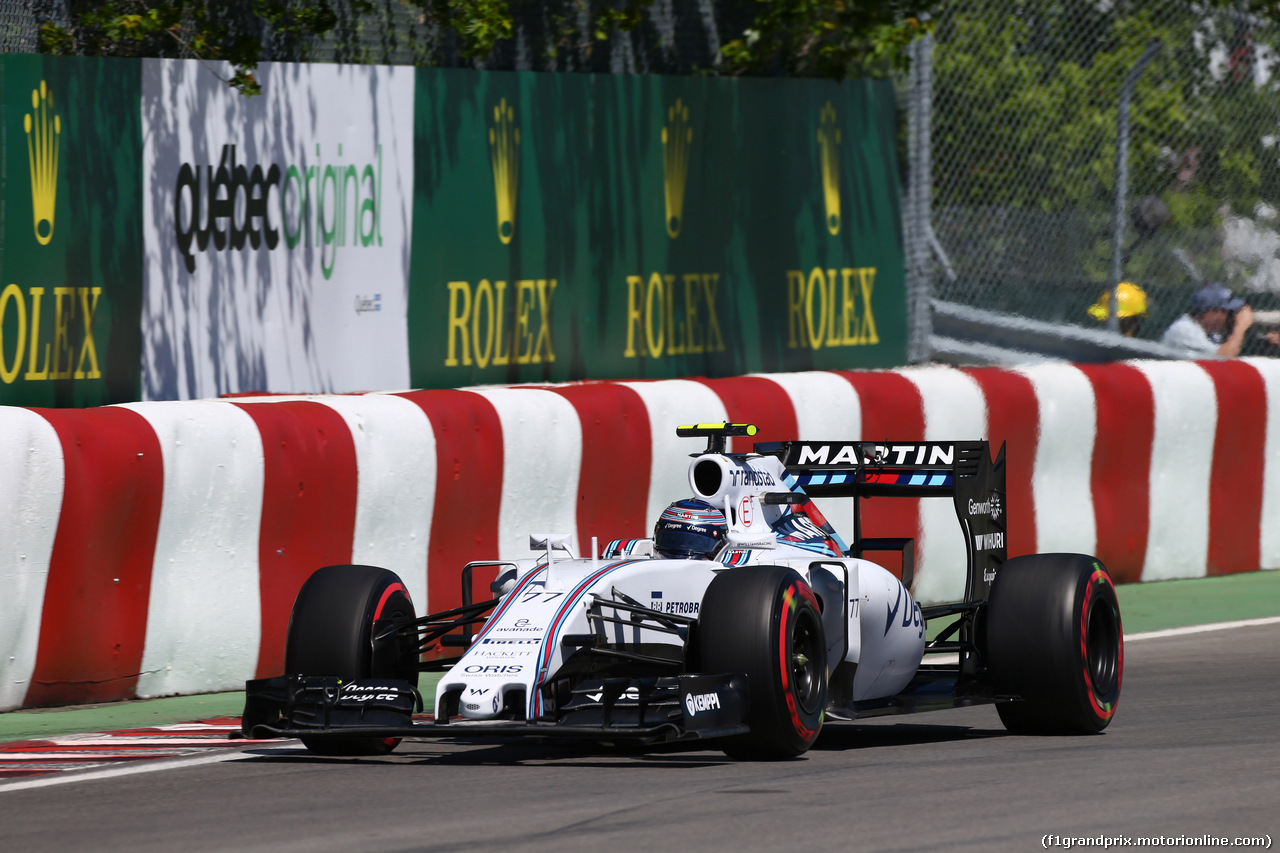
916, 206
1122, 182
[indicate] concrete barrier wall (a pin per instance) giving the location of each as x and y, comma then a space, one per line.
156, 548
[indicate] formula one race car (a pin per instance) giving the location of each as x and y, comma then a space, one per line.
745, 619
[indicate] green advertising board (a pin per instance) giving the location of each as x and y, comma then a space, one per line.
71, 226
569, 226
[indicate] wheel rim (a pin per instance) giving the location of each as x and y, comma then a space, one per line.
806, 657
1102, 647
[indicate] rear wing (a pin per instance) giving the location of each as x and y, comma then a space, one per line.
961, 470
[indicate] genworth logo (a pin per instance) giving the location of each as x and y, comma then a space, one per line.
677, 139
829, 155
504, 154
44, 131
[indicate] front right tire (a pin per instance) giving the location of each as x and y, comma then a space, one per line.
764, 622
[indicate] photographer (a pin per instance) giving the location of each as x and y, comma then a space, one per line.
1216, 325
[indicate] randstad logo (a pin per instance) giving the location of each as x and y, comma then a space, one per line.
504, 154
44, 129
231, 207
829, 156
677, 139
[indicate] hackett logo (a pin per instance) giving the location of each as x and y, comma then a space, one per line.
233, 206
44, 130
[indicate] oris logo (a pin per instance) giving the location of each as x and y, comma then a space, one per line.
494, 669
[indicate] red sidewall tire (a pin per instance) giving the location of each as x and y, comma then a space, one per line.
1055, 640
764, 622
331, 633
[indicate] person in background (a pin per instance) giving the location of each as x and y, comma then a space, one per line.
1215, 325
1132, 307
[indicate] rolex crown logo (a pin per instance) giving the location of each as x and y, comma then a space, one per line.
677, 137
504, 153
43, 128
829, 156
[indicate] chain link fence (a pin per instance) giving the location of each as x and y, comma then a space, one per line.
1024, 136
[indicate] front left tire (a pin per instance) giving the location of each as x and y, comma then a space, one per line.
331, 633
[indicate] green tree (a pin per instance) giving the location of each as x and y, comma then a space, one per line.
1031, 121
832, 38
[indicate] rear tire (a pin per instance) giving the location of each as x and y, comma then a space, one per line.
1055, 639
764, 622
331, 633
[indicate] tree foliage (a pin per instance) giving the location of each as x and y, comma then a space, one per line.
828, 38
1033, 111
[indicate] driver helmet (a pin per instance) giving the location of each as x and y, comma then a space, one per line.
690, 529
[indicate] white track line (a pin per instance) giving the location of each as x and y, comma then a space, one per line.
65, 777
1200, 629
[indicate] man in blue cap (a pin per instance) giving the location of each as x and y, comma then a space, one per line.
1208, 328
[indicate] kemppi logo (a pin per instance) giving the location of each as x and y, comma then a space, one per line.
701, 702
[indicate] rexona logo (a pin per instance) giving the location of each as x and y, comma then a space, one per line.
698, 702
677, 139
232, 206
829, 157
44, 130
504, 153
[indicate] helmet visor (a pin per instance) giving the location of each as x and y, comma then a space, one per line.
682, 543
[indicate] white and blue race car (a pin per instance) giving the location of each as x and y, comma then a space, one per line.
745, 619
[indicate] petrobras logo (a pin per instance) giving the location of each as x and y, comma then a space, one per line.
747, 476
325, 204
696, 703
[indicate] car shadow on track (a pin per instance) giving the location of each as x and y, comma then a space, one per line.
480, 752
849, 736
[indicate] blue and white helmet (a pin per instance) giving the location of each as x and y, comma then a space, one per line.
690, 529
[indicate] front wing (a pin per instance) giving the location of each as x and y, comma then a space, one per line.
682, 707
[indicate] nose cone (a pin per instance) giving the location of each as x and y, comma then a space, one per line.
480, 703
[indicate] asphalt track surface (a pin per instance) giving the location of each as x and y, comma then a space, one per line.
1194, 750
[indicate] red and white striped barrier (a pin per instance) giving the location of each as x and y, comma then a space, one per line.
156, 548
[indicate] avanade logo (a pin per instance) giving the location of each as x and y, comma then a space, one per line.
44, 130
232, 206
